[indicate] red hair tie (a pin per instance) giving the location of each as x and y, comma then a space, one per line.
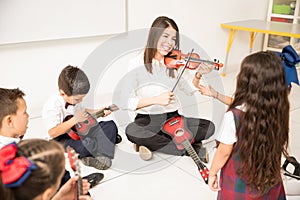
14, 170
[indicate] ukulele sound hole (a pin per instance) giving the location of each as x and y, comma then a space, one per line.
179, 132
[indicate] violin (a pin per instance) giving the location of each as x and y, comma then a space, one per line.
175, 59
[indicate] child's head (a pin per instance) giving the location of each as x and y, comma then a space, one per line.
261, 78
13, 114
45, 166
73, 84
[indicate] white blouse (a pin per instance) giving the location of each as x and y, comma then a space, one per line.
141, 84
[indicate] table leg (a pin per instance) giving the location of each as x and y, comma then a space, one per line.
232, 33
252, 38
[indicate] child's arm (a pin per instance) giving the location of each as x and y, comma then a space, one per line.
63, 127
221, 156
211, 92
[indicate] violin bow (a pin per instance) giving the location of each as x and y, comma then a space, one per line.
180, 75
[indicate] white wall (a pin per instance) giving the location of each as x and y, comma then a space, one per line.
57, 19
34, 66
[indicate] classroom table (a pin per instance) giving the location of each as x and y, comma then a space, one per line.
258, 26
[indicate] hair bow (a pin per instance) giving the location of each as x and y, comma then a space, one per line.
15, 170
289, 59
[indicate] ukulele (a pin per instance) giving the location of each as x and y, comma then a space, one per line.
74, 162
183, 139
82, 128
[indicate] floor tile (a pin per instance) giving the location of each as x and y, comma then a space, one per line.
167, 183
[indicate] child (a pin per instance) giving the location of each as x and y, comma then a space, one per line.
33, 170
254, 133
13, 115
14, 121
96, 148
153, 100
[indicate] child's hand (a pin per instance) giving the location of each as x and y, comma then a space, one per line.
67, 190
80, 116
207, 90
213, 183
107, 112
85, 186
85, 197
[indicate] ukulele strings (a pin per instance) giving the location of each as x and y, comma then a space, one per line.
187, 145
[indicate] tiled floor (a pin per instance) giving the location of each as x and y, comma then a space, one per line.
173, 177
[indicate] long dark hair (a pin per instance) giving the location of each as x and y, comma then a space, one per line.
157, 28
263, 136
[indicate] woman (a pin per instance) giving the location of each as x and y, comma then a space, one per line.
151, 96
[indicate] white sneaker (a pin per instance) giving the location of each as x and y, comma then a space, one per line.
145, 153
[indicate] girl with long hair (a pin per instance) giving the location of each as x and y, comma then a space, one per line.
254, 133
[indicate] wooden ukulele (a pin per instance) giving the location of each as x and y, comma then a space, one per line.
74, 162
183, 139
82, 128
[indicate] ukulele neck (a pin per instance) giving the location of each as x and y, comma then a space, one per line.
189, 148
99, 113
79, 187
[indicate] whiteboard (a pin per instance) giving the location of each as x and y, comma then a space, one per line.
38, 20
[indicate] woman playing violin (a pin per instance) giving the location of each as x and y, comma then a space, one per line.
152, 98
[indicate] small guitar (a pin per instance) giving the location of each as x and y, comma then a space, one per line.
82, 128
74, 162
183, 139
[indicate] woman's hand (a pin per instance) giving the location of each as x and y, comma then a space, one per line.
196, 81
205, 68
164, 99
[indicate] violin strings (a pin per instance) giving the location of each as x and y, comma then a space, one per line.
182, 71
